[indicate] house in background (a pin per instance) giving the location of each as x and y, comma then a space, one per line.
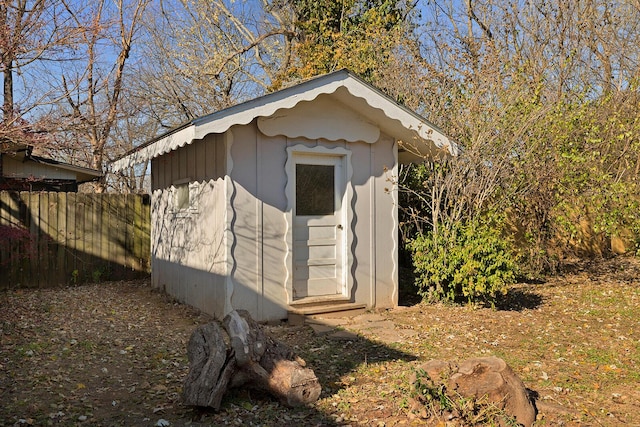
286, 203
20, 170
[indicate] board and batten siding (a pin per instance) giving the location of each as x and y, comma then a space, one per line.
188, 245
375, 207
258, 223
260, 226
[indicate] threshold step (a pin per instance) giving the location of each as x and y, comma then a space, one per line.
315, 313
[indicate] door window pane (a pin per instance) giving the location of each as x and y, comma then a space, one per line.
315, 189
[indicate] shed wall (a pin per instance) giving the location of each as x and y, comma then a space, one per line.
374, 225
188, 249
259, 225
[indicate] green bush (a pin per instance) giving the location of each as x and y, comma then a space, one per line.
469, 261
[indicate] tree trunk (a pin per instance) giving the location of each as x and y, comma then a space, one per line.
244, 356
7, 106
209, 372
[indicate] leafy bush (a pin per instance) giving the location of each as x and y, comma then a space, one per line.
464, 260
15, 244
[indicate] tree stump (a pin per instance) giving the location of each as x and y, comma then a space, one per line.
240, 354
488, 378
492, 377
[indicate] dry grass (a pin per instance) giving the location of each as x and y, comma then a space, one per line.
114, 354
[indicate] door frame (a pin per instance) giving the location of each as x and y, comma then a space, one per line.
293, 153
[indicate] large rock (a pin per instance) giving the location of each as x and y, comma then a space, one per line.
487, 379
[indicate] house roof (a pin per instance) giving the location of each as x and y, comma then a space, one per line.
10, 146
22, 152
82, 174
418, 137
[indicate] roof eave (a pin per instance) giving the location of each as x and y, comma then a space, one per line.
267, 105
82, 174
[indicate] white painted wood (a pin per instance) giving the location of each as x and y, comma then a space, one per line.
318, 258
242, 221
271, 180
244, 246
390, 188
374, 224
316, 120
188, 251
229, 220
384, 207
419, 137
256, 229
363, 260
24, 169
187, 254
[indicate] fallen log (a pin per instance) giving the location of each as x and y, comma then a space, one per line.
239, 353
210, 367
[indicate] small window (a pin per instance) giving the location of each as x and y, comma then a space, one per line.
315, 189
182, 197
185, 196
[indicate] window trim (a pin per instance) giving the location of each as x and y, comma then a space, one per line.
191, 201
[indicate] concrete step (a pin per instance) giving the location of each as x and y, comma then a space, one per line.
316, 313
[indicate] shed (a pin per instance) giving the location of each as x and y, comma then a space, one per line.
285, 203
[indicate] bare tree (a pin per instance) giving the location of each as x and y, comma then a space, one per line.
32, 33
533, 94
93, 83
204, 55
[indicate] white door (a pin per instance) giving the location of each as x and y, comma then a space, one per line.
319, 232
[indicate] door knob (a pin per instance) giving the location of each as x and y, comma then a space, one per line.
339, 226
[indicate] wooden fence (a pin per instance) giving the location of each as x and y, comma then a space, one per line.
51, 239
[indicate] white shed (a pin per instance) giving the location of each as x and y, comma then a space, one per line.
286, 202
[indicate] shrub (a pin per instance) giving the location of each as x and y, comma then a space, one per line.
463, 260
15, 244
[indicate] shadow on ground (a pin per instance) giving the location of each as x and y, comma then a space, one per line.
518, 299
114, 354
335, 359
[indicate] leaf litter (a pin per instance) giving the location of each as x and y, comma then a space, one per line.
115, 354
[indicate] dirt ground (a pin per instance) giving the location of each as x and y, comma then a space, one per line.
114, 354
